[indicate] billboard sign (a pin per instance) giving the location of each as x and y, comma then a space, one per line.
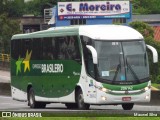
93, 9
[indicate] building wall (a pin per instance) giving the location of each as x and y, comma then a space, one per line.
32, 24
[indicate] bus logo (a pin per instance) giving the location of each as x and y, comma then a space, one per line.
25, 61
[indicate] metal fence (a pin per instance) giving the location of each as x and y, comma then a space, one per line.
4, 61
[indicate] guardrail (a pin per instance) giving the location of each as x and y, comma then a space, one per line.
4, 61
4, 57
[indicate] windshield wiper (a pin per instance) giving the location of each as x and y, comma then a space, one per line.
132, 71
117, 70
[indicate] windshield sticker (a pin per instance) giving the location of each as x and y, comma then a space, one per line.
91, 83
123, 77
105, 73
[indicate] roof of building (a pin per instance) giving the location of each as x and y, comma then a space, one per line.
147, 18
157, 33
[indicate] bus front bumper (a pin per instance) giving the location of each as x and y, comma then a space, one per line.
106, 98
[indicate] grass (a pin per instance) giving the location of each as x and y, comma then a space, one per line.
156, 85
86, 118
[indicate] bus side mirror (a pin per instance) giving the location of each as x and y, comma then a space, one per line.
154, 52
94, 53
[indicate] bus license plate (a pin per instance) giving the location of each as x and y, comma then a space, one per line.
126, 98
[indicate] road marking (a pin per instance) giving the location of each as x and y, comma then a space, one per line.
6, 97
5, 77
11, 104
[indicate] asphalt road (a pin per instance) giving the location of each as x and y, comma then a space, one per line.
7, 104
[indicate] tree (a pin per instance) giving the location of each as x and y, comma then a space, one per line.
146, 6
8, 28
147, 31
37, 7
13, 8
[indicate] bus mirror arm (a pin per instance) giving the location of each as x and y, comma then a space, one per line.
154, 52
94, 53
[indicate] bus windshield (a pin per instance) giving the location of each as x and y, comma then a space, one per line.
122, 61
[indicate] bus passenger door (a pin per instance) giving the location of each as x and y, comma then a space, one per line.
90, 82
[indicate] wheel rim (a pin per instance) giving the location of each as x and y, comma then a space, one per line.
31, 100
81, 100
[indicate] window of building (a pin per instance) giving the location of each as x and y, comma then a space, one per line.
30, 28
118, 20
78, 22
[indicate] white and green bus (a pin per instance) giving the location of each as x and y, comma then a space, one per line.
81, 66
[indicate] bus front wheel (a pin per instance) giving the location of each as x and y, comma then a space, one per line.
80, 101
32, 102
127, 106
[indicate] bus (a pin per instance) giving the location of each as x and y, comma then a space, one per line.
81, 66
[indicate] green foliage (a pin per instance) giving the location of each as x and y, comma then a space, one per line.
8, 28
146, 6
36, 7
146, 30
12, 8
148, 33
158, 79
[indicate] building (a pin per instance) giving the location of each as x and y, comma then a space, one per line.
79, 13
31, 23
91, 12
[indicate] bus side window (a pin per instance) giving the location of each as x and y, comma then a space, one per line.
68, 48
36, 49
16, 49
49, 49
74, 48
61, 46
26, 46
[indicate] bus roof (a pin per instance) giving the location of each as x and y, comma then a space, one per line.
99, 32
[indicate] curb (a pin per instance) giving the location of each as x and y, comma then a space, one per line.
155, 98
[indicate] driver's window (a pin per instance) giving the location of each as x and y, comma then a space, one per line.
87, 56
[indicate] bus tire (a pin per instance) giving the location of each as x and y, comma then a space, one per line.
32, 102
80, 101
71, 105
127, 106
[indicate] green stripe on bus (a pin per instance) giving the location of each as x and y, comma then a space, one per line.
122, 87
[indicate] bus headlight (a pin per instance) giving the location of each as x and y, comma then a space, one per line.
103, 98
147, 88
104, 89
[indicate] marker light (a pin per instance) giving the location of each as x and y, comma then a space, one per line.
147, 97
